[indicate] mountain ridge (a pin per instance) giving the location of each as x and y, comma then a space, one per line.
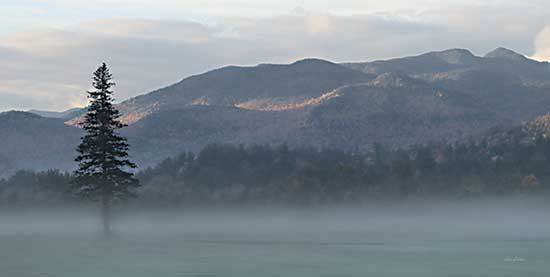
449, 96
233, 85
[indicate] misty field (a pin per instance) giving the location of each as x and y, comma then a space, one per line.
506, 239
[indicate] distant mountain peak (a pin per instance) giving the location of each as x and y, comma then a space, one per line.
302, 62
54, 114
18, 115
504, 53
313, 62
456, 51
455, 56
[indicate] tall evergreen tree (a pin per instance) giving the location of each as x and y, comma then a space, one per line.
104, 168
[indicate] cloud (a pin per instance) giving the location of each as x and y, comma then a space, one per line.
319, 25
182, 31
10, 55
19, 93
49, 68
542, 45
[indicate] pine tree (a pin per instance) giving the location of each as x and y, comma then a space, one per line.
104, 168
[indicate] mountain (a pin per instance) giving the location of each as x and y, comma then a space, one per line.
499, 60
30, 141
504, 81
392, 109
397, 110
431, 62
451, 95
506, 54
68, 114
525, 134
230, 104
263, 87
166, 133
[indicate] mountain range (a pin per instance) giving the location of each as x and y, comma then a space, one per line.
449, 95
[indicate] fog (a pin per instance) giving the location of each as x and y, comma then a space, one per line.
484, 237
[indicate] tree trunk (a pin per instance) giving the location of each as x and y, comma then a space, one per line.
106, 214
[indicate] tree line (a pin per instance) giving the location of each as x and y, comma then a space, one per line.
265, 174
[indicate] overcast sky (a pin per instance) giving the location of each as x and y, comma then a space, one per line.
48, 48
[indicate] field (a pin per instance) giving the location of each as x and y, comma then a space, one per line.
348, 242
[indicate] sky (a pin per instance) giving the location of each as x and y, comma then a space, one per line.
49, 48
